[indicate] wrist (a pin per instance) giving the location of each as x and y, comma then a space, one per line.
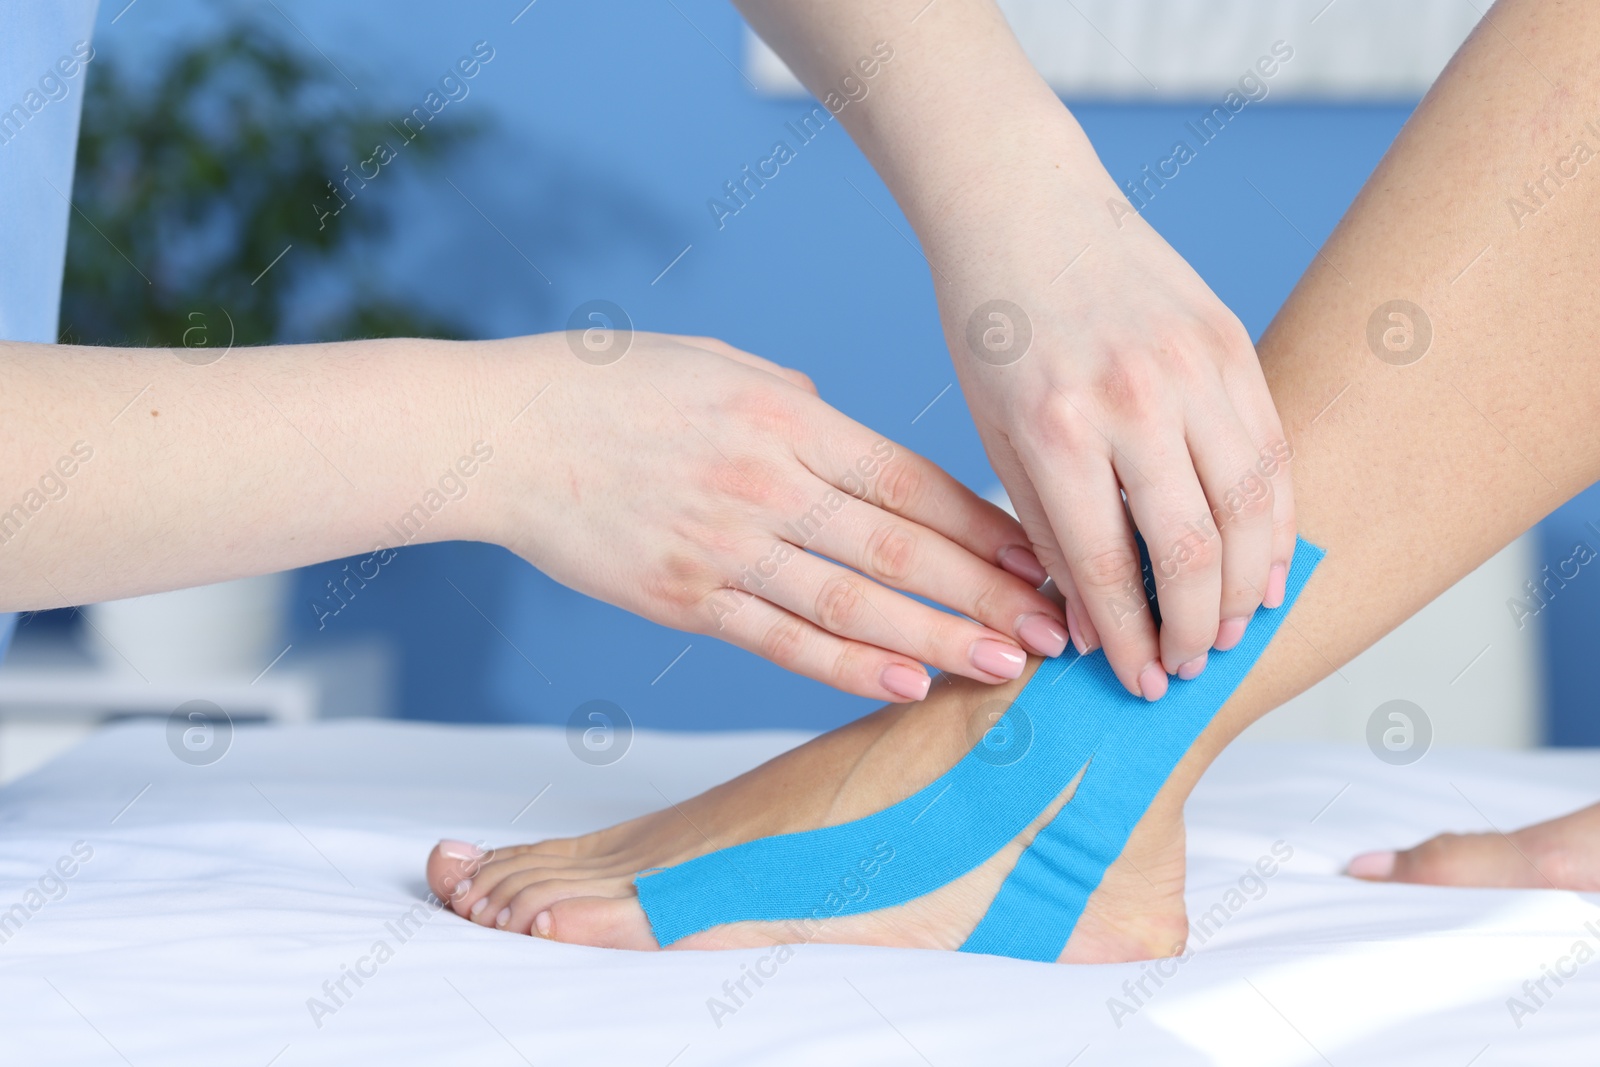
422, 410
1000, 147
501, 386
1037, 183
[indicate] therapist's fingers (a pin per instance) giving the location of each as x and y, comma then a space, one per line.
1241, 501
1170, 509
849, 605
1084, 504
866, 465
1036, 524
1253, 401
722, 348
906, 556
1284, 526
760, 626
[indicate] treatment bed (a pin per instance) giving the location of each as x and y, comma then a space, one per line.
211, 912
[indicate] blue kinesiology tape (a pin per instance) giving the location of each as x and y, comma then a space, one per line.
1071, 715
903, 852
1038, 905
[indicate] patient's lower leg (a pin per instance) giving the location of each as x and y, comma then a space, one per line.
1409, 474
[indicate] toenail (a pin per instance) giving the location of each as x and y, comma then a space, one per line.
503, 918
1153, 682
461, 888
1191, 670
1371, 865
1229, 632
904, 682
544, 922
477, 909
1042, 634
460, 850
999, 659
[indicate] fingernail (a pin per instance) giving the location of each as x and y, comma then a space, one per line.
477, 909
1191, 670
1024, 564
1153, 682
1276, 583
1091, 636
460, 850
904, 682
1042, 634
1373, 865
544, 923
461, 888
1229, 632
1075, 628
993, 657
503, 918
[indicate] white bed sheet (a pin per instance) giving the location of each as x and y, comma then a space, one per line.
220, 900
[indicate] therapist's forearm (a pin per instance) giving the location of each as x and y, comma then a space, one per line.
676, 477
128, 471
958, 123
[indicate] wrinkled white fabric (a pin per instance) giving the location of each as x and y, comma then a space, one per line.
217, 904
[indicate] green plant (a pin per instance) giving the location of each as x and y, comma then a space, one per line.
197, 179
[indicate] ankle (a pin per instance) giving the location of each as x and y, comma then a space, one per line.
971, 709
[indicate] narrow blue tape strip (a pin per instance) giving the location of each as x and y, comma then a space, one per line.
1072, 712
903, 852
1039, 904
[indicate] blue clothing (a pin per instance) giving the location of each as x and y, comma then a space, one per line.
44, 56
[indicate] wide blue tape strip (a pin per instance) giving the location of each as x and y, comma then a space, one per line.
1039, 904
1073, 711
903, 852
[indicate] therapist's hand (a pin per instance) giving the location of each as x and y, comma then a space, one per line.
711, 490
1096, 362
1109, 384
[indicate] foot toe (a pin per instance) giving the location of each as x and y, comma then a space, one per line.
1557, 854
600, 922
525, 897
464, 875
1452, 859
451, 868
1371, 866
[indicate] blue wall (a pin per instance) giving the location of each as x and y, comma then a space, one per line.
1569, 620
613, 125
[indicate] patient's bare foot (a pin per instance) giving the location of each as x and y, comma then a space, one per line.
1563, 853
580, 889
